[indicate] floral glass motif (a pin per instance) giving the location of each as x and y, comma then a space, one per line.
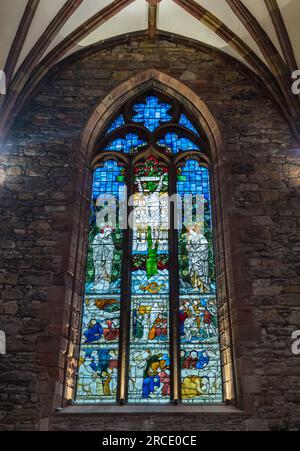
149, 378
176, 144
152, 113
149, 361
98, 362
201, 380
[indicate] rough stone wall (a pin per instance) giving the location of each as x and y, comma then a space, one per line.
262, 217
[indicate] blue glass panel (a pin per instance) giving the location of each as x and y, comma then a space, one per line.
98, 362
201, 380
185, 122
108, 179
193, 179
131, 143
176, 144
152, 113
116, 124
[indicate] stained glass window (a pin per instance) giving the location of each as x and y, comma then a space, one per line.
132, 271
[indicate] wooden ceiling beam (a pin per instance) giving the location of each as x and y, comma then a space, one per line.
24, 72
43, 43
18, 97
20, 90
23, 75
282, 34
271, 82
85, 29
152, 17
227, 35
268, 49
19, 39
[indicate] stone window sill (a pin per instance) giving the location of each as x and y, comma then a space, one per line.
135, 409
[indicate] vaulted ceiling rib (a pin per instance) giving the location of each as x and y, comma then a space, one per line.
36, 34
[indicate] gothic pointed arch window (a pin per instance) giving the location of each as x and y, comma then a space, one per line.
150, 319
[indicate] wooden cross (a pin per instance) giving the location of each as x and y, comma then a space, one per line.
152, 17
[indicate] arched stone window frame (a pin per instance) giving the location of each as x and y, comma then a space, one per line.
94, 130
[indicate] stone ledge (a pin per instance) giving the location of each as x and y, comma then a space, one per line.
146, 410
